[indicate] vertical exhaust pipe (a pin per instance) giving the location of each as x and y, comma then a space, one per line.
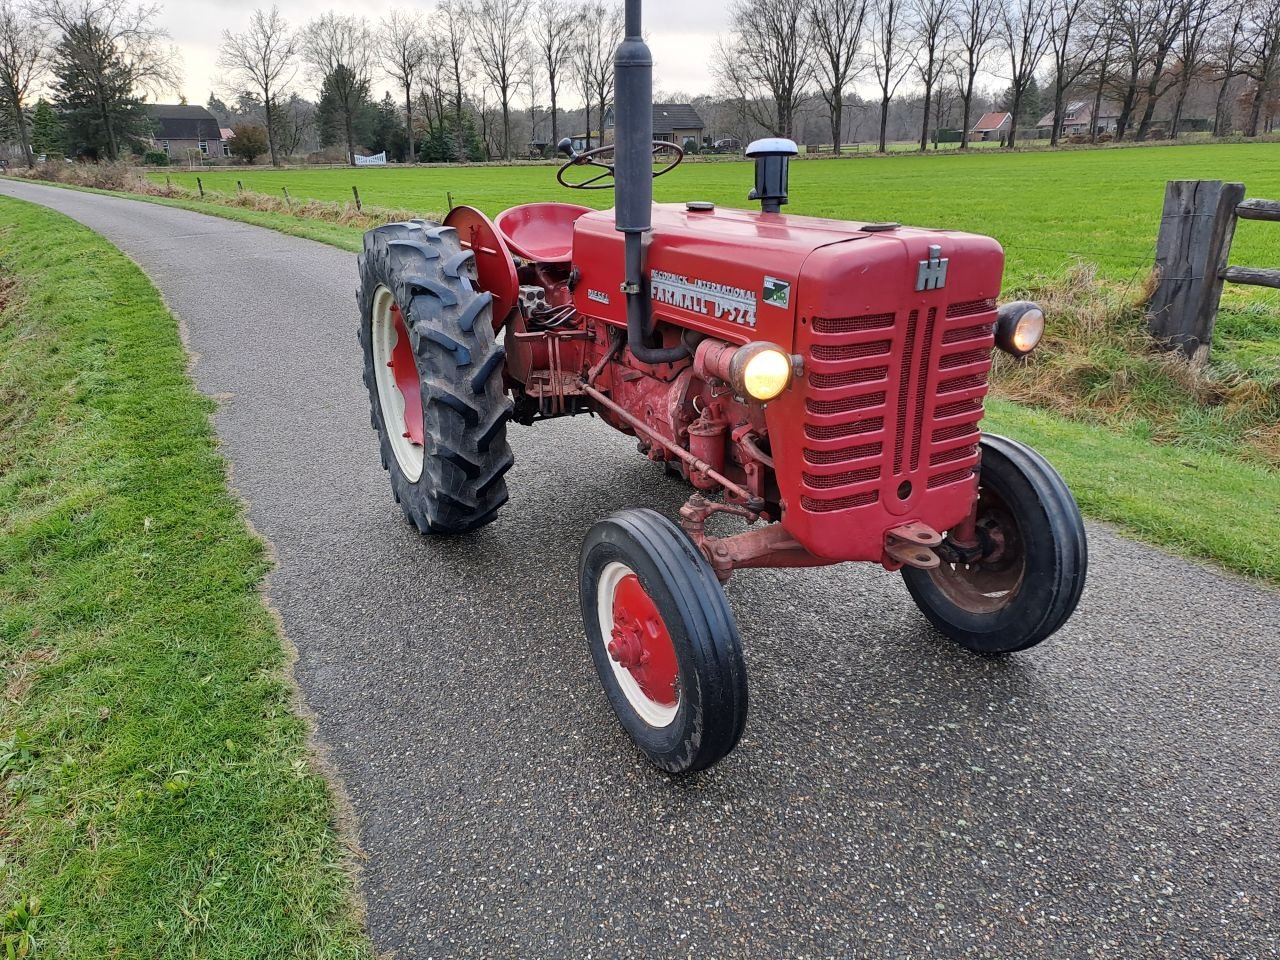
633, 164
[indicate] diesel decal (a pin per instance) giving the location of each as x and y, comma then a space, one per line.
597, 296
777, 292
717, 300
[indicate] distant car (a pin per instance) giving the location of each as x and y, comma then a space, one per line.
727, 145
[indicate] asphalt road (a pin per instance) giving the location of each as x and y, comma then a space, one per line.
1112, 793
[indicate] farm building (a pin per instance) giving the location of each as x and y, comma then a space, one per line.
1077, 119
186, 132
672, 123
992, 126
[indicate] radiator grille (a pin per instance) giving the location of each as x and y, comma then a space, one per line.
814, 505
839, 431
851, 351
827, 481
884, 410
943, 434
844, 405
847, 378
876, 321
842, 455
961, 334
968, 308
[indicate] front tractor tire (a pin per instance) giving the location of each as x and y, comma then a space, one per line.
434, 373
1027, 582
663, 640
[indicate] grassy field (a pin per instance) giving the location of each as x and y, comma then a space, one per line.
156, 794
1047, 209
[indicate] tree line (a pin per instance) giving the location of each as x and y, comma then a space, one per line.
1135, 53
466, 71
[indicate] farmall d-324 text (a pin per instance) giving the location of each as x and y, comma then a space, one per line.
822, 380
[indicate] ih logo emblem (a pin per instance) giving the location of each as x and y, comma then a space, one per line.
932, 274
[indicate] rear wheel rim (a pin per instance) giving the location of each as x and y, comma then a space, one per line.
638, 645
399, 388
992, 583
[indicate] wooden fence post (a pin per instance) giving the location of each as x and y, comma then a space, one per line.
355, 191
200, 184
1196, 229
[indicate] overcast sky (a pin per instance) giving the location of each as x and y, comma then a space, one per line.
682, 34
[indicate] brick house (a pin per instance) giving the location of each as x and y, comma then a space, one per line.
992, 126
1077, 119
672, 123
184, 131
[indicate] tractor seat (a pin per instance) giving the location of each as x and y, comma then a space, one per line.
541, 232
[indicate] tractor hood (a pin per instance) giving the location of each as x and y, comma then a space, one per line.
729, 273
742, 275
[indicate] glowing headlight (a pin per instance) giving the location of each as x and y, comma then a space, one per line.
760, 370
766, 374
1019, 327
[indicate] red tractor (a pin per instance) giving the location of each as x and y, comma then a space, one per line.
822, 381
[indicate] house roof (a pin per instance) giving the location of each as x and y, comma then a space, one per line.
180, 121
668, 117
991, 121
1080, 111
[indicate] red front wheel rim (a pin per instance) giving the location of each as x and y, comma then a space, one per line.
639, 645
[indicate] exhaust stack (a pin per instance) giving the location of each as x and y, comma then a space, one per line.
633, 163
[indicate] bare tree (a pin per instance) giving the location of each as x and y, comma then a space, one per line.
1102, 16
1262, 62
1227, 58
499, 46
931, 24
835, 30
553, 35
24, 58
262, 60
1024, 31
452, 28
1167, 20
889, 55
598, 36
341, 48
1197, 24
107, 56
974, 22
402, 42
767, 63
1070, 58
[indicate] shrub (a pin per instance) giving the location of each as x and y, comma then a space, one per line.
248, 141
155, 158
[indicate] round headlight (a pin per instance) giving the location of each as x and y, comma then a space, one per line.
1019, 327
766, 374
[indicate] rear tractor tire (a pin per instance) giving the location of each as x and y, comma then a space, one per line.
1029, 579
663, 640
434, 373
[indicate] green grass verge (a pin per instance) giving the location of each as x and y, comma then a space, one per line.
1047, 209
1196, 503
155, 787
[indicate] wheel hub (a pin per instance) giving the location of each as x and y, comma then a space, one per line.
640, 643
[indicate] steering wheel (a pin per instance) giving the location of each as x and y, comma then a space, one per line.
603, 157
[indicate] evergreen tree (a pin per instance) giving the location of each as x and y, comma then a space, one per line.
46, 130
101, 113
387, 130
220, 110
331, 113
1031, 108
